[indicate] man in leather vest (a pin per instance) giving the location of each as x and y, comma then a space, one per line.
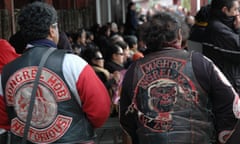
70, 101
172, 96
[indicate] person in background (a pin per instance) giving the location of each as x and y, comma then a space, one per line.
121, 29
116, 60
126, 53
175, 96
114, 29
116, 64
116, 38
102, 40
79, 44
197, 31
70, 36
64, 42
223, 32
131, 24
95, 58
132, 41
66, 108
90, 39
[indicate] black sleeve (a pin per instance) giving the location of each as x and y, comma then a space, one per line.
201, 69
219, 89
127, 119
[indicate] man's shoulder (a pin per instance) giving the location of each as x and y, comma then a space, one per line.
73, 58
217, 25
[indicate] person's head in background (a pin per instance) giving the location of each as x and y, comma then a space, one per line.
131, 6
202, 16
121, 29
94, 57
36, 25
80, 37
114, 28
117, 54
225, 10
116, 38
70, 36
64, 42
125, 49
89, 37
105, 30
225, 7
133, 47
132, 42
162, 30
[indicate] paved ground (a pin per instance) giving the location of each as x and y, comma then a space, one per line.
110, 133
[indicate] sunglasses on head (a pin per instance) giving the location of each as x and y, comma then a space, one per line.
119, 54
99, 58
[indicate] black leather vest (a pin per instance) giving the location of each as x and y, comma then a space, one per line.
57, 116
172, 107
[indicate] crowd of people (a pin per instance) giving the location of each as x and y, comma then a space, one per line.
58, 87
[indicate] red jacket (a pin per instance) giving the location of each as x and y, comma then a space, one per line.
7, 54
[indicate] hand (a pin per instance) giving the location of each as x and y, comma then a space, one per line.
117, 76
237, 22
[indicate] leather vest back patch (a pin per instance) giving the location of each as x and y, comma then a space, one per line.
45, 121
170, 104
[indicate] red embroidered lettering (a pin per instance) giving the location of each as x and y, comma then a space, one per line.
17, 127
61, 93
9, 96
57, 86
26, 75
52, 133
45, 126
33, 73
18, 77
12, 84
52, 80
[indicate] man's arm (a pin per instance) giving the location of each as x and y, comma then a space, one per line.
127, 118
88, 89
225, 100
4, 122
94, 96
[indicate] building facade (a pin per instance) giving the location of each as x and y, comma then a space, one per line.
75, 14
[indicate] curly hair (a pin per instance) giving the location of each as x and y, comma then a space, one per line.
160, 29
35, 19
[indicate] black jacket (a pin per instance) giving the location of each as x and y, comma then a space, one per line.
224, 49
